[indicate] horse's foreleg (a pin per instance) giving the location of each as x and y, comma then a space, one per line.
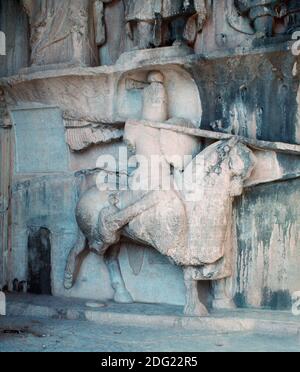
193, 306
111, 259
71, 262
221, 298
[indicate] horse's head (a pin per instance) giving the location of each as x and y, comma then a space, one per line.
241, 162
221, 168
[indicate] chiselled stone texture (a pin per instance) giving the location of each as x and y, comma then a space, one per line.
5, 187
49, 202
33, 155
147, 21
184, 225
267, 272
81, 134
59, 31
261, 13
13, 22
2, 304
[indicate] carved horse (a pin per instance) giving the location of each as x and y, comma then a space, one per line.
192, 226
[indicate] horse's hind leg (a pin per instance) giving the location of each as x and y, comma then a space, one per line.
111, 259
222, 300
71, 262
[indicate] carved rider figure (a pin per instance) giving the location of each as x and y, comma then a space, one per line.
144, 183
161, 22
153, 180
261, 14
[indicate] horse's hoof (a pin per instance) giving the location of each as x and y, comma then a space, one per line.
68, 282
123, 297
198, 310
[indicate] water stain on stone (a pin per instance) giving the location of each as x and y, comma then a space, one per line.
278, 300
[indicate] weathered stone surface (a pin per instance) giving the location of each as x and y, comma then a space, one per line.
148, 275
32, 154
147, 21
100, 32
268, 246
49, 202
137, 10
13, 22
184, 100
81, 134
242, 105
162, 218
290, 11
2, 303
116, 41
59, 31
237, 81
45, 201
5, 187
261, 14
255, 144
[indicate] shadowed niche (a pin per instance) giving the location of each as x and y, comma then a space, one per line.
39, 261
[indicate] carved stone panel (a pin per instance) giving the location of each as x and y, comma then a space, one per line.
40, 143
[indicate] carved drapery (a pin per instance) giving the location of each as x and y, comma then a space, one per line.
59, 31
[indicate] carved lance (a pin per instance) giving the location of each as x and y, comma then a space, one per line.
253, 143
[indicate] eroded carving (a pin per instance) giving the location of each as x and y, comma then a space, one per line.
99, 21
2, 304
84, 132
194, 234
184, 225
189, 222
164, 22
261, 14
59, 31
170, 221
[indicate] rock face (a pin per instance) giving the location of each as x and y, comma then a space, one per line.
2, 304
291, 14
141, 145
260, 13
